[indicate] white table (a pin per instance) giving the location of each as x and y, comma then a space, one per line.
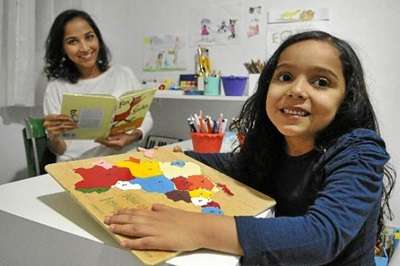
40, 224
41, 201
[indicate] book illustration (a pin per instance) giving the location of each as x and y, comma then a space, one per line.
104, 185
178, 180
99, 115
120, 117
131, 110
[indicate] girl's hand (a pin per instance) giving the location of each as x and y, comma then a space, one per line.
160, 228
166, 228
56, 125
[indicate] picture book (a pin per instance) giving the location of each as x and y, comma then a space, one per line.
104, 185
98, 116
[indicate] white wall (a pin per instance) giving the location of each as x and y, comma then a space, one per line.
370, 26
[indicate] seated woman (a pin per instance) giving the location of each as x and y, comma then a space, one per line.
77, 61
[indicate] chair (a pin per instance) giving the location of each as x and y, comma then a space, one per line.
36, 149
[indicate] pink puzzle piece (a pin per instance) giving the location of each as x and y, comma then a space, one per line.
149, 153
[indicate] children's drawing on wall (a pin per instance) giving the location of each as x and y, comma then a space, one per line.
254, 14
284, 23
222, 27
163, 53
232, 28
216, 25
300, 15
205, 25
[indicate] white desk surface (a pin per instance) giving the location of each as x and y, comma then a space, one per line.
41, 200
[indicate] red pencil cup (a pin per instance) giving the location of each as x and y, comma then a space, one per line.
207, 142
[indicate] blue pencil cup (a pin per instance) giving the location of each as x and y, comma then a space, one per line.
234, 85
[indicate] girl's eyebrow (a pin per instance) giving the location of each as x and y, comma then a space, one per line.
315, 68
279, 65
326, 70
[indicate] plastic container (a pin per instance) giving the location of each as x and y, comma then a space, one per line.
207, 142
253, 83
212, 86
234, 85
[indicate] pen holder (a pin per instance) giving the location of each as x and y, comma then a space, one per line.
207, 142
212, 87
234, 85
253, 83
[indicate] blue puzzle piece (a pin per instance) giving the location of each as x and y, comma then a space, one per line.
159, 184
178, 163
212, 210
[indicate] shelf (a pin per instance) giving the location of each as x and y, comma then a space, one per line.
201, 97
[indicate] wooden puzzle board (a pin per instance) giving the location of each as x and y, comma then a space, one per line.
244, 201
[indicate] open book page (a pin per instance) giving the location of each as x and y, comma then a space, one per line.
93, 114
131, 110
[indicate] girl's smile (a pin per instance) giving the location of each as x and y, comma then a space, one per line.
294, 112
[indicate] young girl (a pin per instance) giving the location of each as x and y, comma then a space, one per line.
78, 62
312, 143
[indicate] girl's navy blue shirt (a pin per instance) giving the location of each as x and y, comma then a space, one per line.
327, 212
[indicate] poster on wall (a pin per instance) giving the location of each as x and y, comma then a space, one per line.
284, 23
216, 25
254, 23
163, 53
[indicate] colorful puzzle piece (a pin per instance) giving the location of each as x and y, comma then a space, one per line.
98, 177
178, 180
159, 184
141, 168
199, 181
126, 185
179, 168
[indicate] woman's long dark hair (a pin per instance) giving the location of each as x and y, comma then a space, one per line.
58, 65
354, 112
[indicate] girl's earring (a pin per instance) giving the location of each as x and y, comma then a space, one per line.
100, 62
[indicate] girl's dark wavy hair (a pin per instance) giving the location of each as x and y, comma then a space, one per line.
57, 63
355, 111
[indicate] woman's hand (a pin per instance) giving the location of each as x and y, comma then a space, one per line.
118, 141
56, 125
167, 228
